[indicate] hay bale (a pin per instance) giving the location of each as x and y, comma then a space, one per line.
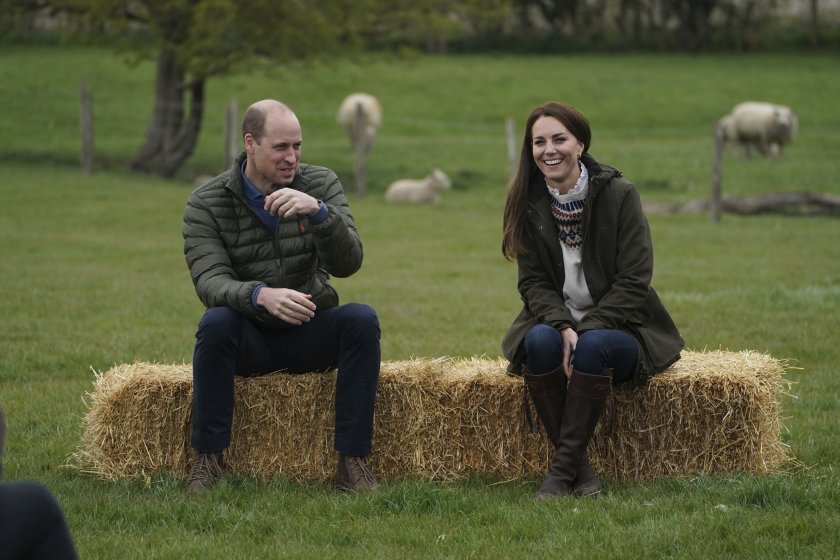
711, 412
441, 419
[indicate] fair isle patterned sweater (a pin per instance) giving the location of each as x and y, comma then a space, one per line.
567, 210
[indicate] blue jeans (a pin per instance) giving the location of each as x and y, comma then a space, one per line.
228, 344
596, 351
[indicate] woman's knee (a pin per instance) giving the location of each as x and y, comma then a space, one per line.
541, 338
602, 349
590, 353
543, 349
590, 341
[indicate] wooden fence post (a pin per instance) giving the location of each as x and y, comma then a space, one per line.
86, 127
360, 142
232, 131
717, 173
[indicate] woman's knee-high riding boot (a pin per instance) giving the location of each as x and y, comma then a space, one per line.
548, 393
585, 397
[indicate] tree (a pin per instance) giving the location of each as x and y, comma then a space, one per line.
693, 21
194, 40
432, 24
813, 10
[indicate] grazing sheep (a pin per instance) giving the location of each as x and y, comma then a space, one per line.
427, 189
347, 117
766, 127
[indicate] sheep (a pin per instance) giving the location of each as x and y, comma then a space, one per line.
372, 111
765, 126
427, 189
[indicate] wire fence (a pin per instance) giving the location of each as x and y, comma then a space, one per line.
91, 125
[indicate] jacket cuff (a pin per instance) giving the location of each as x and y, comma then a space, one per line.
254, 297
319, 216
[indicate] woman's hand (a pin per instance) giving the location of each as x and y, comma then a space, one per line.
570, 339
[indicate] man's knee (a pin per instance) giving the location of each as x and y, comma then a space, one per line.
218, 321
361, 317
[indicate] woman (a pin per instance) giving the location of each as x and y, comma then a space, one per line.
590, 317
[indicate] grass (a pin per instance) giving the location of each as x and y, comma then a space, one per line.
92, 274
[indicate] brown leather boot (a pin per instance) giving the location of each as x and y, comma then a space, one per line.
548, 393
206, 471
353, 474
585, 399
586, 482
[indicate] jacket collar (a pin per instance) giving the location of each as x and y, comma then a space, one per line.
599, 174
539, 199
235, 179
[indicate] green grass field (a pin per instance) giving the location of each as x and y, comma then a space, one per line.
92, 275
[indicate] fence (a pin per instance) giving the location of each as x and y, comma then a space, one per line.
469, 132
232, 139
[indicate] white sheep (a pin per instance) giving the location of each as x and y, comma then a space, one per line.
766, 127
372, 112
427, 189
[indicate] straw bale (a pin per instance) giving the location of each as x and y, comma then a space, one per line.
442, 419
711, 412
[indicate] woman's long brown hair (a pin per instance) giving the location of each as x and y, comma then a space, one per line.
513, 222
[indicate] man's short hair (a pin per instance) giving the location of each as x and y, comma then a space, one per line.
253, 122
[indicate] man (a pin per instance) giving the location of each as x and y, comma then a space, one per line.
261, 241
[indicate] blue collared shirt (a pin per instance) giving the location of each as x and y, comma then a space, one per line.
256, 201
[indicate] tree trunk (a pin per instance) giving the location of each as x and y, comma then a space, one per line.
171, 137
693, 22
815, 24
791, 203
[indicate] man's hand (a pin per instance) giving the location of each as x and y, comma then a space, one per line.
288, 203
289, 305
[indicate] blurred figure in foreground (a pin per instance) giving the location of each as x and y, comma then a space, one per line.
32, 525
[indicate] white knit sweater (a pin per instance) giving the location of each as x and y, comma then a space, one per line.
567, 210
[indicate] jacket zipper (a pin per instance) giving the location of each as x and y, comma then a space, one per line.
278, 255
